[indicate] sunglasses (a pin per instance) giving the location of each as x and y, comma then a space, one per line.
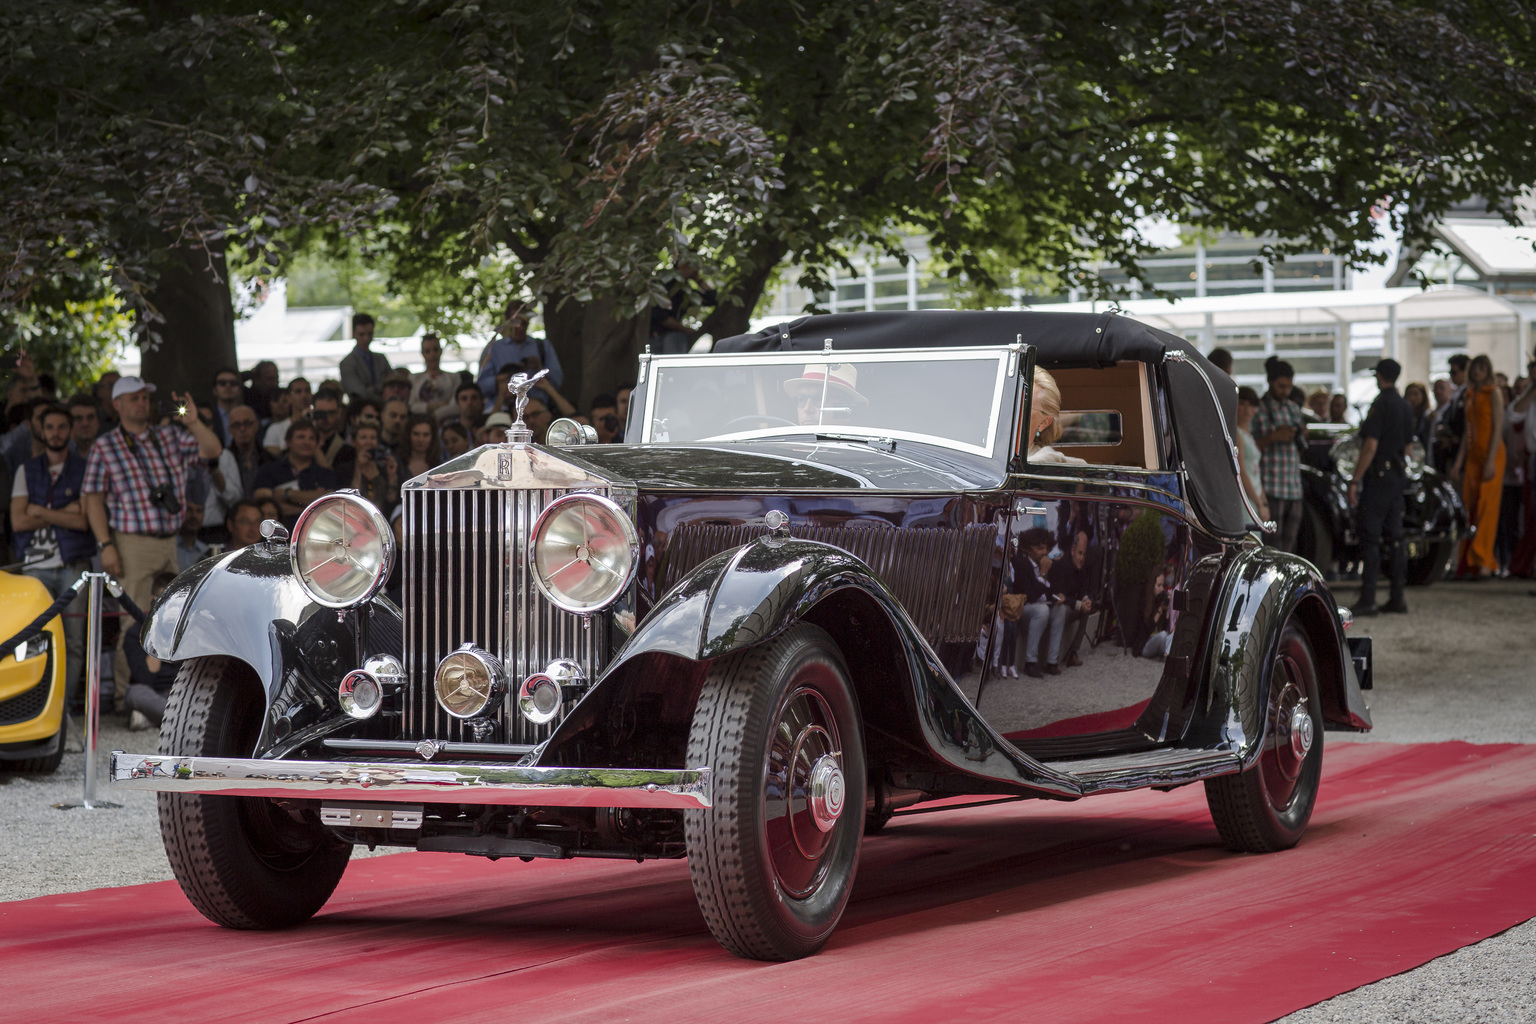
228, 382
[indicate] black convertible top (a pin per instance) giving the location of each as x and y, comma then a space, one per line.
1060, 340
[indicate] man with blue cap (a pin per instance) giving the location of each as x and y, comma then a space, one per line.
1377, 490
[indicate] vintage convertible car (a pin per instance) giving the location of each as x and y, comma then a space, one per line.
31, 681
752, 632
1434, 518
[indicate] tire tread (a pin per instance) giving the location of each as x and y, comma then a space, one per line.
738, 904
205, 853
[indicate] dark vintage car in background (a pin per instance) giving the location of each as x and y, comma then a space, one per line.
755, 630
1434, 518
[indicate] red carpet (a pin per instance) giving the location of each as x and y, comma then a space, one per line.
1115, 908
1099, 721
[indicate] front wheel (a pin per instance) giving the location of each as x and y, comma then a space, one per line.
773, 859
244, 862
1267, 807
1429, 567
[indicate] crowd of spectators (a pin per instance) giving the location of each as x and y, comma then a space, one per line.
1474, 425
142, 483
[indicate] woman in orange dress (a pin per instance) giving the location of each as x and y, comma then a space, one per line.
1480, 464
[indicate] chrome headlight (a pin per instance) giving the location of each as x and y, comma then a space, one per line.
342, 549
584, 552
467, 681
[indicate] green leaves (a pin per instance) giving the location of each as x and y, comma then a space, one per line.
583, 148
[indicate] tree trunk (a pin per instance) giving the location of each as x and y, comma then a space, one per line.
197, 337
599, 351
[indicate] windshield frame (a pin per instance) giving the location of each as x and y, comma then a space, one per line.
1005, 357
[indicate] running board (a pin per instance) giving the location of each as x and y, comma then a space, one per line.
1166, 766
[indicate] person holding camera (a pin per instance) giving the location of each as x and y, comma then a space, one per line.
604, 417
376, 474
134, 489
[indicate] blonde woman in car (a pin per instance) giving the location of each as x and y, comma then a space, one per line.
1044, 422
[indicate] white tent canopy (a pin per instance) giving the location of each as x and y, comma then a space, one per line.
1494, 248
1493, 324
1310, 309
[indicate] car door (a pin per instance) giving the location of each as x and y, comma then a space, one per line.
1112, 645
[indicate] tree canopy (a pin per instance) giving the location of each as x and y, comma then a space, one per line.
591, 145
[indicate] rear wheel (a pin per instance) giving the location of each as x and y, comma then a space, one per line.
773, 860
244, 862
1267, 807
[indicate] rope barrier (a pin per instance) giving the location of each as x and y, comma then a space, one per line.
127, 604
35, 627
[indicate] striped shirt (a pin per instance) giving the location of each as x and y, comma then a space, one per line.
127, 470
1280, 465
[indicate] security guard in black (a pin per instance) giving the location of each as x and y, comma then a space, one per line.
1378, 485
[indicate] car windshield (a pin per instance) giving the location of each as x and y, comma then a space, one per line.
948, 397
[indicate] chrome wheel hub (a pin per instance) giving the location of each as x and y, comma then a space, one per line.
1301, 731
827, 792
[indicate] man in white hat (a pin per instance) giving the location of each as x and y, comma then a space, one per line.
494, 429
135, 491
826, 393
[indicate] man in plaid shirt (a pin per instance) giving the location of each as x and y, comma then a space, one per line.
1278, 428
135, 490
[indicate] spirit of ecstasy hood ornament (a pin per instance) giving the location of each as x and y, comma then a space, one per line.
519, 386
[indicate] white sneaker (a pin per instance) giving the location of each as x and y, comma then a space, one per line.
138, 721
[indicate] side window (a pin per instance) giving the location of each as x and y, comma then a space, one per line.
1106, 416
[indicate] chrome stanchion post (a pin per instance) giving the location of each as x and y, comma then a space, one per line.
95, 581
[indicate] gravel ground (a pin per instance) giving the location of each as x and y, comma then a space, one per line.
1458, 667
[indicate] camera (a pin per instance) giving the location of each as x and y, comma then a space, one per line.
164, 496
380, 453
171, 407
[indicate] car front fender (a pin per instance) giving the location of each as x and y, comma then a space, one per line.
247, 605
1264, 588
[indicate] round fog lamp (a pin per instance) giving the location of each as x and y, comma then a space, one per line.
584, 552
542, 694
360, 694
467, 681
539, 699
342, 550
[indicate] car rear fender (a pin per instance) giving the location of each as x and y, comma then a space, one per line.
750, 594
1263, 589
247, 605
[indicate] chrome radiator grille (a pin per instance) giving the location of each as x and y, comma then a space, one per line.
466, 574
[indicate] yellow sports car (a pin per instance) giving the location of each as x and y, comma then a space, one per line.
31, 681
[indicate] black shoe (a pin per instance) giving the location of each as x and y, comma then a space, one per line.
1398, 607
1362, 610
1054, 670
1033, 671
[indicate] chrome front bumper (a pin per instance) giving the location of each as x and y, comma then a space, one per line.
414, 783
